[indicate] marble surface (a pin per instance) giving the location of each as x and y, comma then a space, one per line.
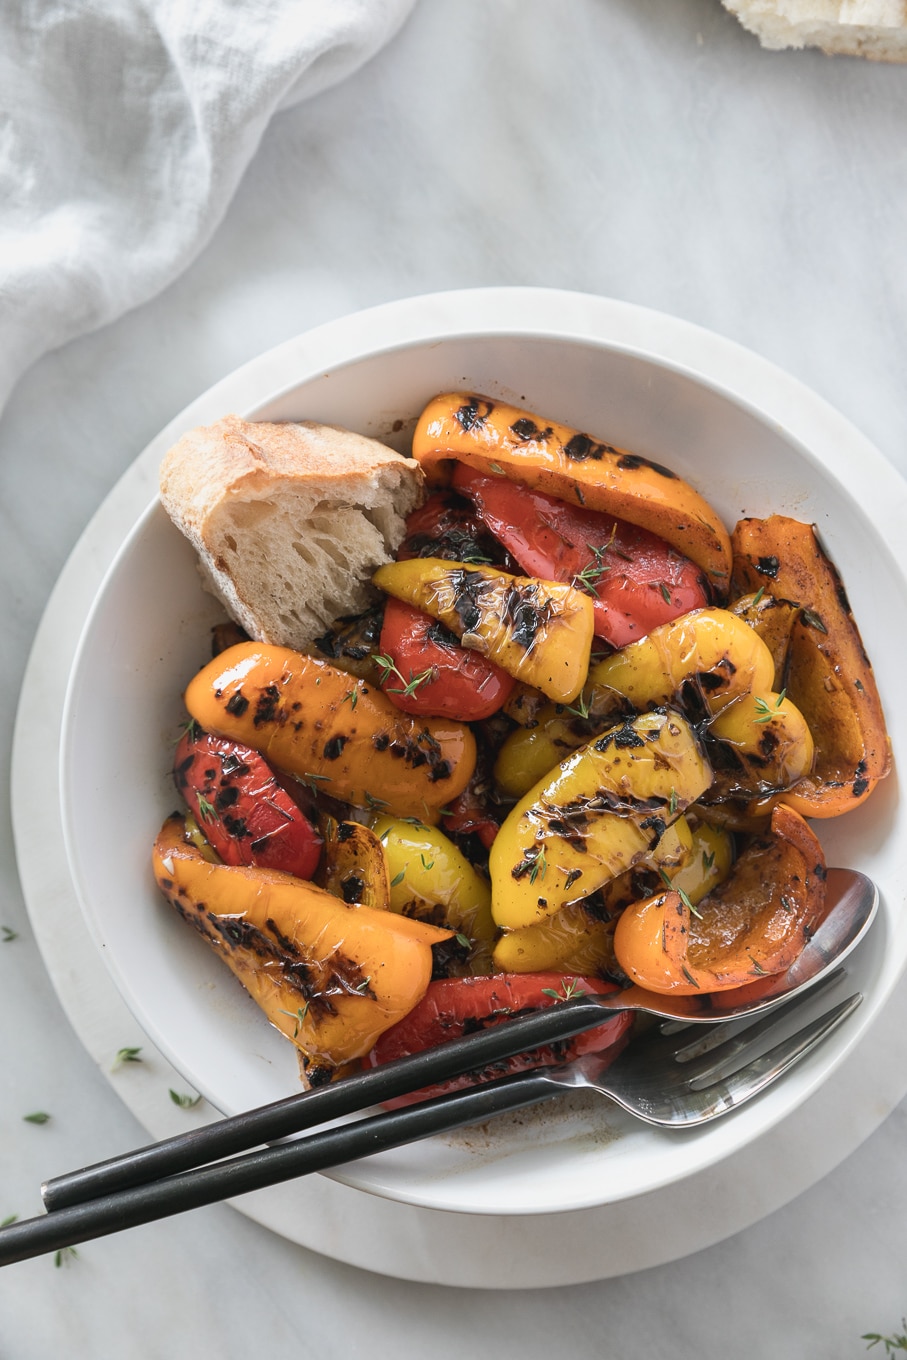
643, 149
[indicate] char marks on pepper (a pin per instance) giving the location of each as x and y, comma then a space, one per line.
580, 448
473, 413
527, 431
267, 707
629, 462
523, 615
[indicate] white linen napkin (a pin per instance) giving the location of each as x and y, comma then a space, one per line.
125, 127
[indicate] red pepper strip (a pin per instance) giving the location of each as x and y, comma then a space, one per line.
453, 1007
241, 809
435, 676
637, 580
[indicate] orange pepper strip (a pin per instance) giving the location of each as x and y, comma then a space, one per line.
329, 976
328, 728
506, 441
753, 924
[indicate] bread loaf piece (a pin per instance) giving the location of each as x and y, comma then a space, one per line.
858, 28
289, 520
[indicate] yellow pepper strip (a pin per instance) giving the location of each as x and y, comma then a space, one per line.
195, 834
354, 866
333, 731
538, 631
710, 648
771, 744
773, 620
548, 946
710, 861
601, 811
331, 977
577, 937
430, 879
528, 753
726, 662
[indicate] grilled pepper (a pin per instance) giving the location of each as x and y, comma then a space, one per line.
501, 440
755, 923
431, 880
711, 660
538, 631
601, 811
583, 932
332, 730
331, 977
354, 866
828, 674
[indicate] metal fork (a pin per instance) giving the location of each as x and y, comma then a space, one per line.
678, 1079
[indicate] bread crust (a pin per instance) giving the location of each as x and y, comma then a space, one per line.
289, 520
876, 29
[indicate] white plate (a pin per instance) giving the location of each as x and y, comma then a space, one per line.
461, 1174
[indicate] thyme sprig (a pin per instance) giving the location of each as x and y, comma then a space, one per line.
408, 687
299, 1017
206, 810
684, 897
896, 1342
580, 709
592, 573
570, 988
766, 711
539, 867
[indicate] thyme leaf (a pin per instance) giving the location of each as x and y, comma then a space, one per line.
182, 1100
896, 1342
580, 709
126, 1055
539, 867
299, 1017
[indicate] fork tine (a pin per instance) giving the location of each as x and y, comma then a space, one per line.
727, 1041
748, 1081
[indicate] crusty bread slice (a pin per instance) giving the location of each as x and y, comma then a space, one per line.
858, 28
289, 520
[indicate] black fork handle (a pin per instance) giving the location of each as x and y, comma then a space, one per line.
270, 1166
282, 1118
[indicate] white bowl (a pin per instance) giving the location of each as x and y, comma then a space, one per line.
752, 439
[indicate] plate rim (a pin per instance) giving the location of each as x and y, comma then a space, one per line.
523, 297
